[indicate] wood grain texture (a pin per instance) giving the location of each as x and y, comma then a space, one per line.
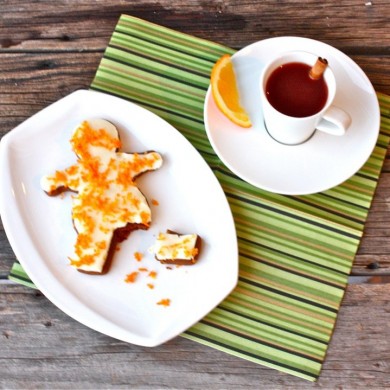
43, 348
49, 49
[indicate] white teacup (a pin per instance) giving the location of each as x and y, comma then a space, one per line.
293, 130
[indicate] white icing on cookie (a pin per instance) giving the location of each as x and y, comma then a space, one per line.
170, 246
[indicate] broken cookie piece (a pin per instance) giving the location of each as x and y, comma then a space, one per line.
175, 248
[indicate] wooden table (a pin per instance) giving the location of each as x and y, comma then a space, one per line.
49, 49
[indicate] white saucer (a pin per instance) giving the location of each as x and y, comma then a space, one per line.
324, 161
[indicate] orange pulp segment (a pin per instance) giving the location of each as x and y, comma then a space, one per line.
225, 92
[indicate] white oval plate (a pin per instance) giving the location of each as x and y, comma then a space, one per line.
322, 162
190, 199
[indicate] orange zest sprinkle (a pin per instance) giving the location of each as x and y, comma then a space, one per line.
164, 302
72, 170
153, 274
143, 269
87, 259
83, 241
151, 286
131, 278
101, 245
138, 256
155, 202
60, 177
145, 217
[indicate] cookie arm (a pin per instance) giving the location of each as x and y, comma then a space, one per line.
60, 181
142, 162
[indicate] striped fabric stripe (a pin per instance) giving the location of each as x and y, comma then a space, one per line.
17, 274
295, 252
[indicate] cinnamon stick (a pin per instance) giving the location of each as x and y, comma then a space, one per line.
318, 68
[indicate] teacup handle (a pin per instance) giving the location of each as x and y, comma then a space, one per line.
335, 121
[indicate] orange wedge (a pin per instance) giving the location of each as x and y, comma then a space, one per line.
225, 92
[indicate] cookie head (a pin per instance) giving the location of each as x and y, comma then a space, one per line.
95, 137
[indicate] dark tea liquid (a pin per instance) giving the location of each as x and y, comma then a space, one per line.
291, 91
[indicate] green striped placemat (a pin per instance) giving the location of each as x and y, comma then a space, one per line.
296, 252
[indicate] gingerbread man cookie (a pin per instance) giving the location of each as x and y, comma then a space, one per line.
108, 204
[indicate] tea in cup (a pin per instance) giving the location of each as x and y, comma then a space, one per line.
297, 102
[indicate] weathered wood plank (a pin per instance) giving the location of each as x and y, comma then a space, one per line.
357, 26
43, 348
23, 74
